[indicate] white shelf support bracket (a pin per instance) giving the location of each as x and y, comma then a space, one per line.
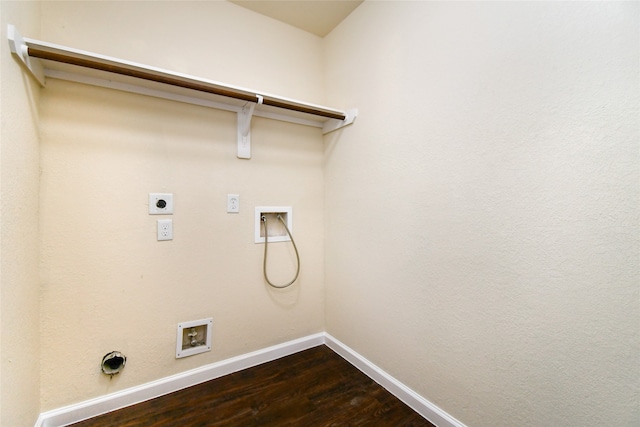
244, 128
335, 124
20, 50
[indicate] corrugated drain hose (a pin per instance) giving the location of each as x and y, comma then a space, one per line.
266, 244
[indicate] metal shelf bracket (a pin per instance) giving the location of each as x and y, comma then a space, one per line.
244, 128
331, 125
20, 50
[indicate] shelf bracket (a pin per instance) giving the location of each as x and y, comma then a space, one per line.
244, 128
335, 124
20, 50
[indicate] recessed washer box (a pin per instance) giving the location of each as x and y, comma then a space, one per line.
193, 337
277, 232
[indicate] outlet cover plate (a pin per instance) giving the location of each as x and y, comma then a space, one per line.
233, 203
160, 203
165, 229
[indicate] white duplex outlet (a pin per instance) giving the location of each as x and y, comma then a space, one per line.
233, 203
165, 229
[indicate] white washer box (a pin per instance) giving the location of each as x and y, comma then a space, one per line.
193, 337
277, 232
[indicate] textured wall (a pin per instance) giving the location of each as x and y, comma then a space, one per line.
107, 284
482, 213
19, 290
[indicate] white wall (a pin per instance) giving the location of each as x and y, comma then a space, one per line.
107, 284
482, 213
19, 281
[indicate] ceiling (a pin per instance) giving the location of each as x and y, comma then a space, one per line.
318, 17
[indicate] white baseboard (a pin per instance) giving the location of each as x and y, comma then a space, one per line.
111, 402
428, 410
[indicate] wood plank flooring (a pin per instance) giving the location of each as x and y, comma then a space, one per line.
315, 387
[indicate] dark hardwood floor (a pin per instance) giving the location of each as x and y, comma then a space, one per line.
315, 387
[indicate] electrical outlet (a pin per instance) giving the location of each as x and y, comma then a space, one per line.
165, 229
233, 203
160, 203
